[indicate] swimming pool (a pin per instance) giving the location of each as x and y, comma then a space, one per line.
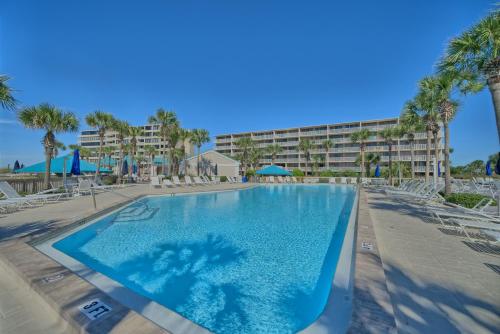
258, 260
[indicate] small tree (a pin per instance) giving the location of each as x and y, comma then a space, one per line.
361, 137
52, 120
389, 134
167, 121
198, 138
274, 150
102, 122
306, 146
327, 145
244, 144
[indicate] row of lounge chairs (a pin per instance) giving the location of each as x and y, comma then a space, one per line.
449, 215
159, 181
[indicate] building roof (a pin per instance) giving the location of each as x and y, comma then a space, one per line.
56, 166
230, 160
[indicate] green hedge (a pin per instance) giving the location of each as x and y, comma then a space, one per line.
465, 199
223, 179
297, 172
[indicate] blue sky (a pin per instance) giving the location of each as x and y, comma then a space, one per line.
231, 66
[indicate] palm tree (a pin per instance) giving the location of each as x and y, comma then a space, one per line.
140, 159
84, 151
122, 130
184, 137
361, 137
173, 138
371, 158
52, 120
411, 124
108, 151
274, 150
198, 138
317, 160
7, 101
327, 145
254, 156
244, 144
133, 132
150, 150
306, 146
475, 54
167, 120
58, 146
389, 135
102, 122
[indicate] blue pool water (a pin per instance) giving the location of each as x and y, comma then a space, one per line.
259, 260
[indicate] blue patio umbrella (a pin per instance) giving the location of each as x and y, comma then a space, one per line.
125, 167
274, 171
134, 169
16, 165
497, 166
439, 168
75, 166
377, 171
489, 172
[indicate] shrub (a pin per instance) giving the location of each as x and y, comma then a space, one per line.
250, 172
109, 179
297, 172
465, 199
327, 173
223, 178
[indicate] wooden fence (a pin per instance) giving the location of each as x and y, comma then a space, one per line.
32, 185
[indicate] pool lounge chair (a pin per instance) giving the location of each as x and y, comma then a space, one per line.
155, 182
44, 196
188, 181
176, 181
343, 180
198, 181
168, 184
353, 180
280, 179
331, 180
271, 179
287, 179
294, 179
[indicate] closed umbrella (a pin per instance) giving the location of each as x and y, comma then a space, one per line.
497, 166
125, 167
439, 168
216, 170
377, 171
16, 165
75, 166
489, 172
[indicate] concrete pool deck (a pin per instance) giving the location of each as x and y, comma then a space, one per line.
412, 279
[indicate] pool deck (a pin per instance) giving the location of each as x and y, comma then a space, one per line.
410, 277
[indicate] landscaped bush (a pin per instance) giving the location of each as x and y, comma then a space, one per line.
297, 172
327, 173
223, 179
109, 179
250, 172
465, 199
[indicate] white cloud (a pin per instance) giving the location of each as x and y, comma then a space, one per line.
8, 121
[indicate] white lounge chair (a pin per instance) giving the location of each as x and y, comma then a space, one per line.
176, 181
188, 181
155, 182
198, 181
353, 180
280, 179
331, 180
294, 179
271, 179
343, 180
44, 196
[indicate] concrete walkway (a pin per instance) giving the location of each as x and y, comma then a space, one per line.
437, 284
24, 312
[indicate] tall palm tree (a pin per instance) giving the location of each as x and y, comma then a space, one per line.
102, 122
274, 150
108, 152
52, 120
317, 160
254, 156
140, 159
133, 132
361, 137
167, 121
84, 151
389, 135
306, 146
173, 138
184, 138
7, 101
198, 138
327, 145
244, 144
411, 124
475, 54
58, 146
122, 130
150, 150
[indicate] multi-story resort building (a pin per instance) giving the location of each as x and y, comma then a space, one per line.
151, 136
344, 152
